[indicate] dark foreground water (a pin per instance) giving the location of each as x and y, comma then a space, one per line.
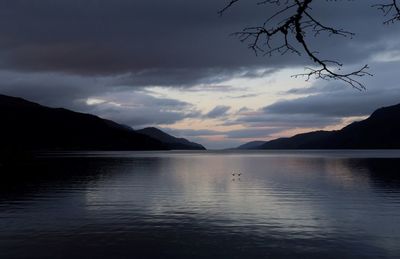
306, 204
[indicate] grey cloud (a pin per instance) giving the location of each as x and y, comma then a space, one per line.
171, 43
315, 89
327, 103
103, 37
175, 77
134, 108
243, 96
218, 111
284, 121
138, 109
60, 53
244, 110
337, 105
52, 89
140, 117
211, 88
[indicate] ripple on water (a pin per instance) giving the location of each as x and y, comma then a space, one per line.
174, 205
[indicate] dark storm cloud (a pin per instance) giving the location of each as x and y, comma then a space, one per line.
112, 37
64, 52
163, 42
51, 89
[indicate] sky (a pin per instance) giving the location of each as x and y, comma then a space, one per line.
175, 65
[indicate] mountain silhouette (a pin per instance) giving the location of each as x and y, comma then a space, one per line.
29, 126
379, 131
252, 145
171, 141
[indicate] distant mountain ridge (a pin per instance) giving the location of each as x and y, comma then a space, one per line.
252, 144
171, 141
30, 126
380, 131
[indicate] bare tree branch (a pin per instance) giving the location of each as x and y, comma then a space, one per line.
294, 22
232, 2
390, 9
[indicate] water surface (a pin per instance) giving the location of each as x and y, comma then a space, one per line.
286, 204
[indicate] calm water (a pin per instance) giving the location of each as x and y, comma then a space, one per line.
305, 204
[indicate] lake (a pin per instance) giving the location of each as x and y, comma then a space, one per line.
285, 204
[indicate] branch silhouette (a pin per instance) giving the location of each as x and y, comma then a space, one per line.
391, 9
290, 24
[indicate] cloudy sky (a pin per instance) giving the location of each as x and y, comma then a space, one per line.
173, 64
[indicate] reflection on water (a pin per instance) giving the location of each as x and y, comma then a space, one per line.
171, 205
